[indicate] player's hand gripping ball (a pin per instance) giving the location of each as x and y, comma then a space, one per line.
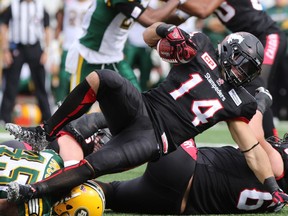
166, 51
175, 54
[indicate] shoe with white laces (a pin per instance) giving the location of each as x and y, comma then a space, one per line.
19, 193
35, 136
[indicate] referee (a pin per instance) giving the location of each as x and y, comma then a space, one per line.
24, 23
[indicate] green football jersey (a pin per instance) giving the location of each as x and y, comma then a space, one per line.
27, 167
106, 30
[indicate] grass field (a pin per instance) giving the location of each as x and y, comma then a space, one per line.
215, 136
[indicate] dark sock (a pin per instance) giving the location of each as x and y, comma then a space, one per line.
76, 104
63, 180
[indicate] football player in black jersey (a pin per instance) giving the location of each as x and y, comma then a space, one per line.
189, 181
202, 88
248, 16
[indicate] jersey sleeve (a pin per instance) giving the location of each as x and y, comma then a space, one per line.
201, 40
131, 9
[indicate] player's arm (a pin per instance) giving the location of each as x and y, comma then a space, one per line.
274, 156
147, 16
200, 8
150, 15
255, 155
150, 36
257, 160
264, 101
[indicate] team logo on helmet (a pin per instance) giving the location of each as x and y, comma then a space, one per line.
81, 212
235, 37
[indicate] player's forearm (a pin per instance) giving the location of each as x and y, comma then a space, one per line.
150, 36
274, 156
151, 15
200, 8
256, 157
259, 163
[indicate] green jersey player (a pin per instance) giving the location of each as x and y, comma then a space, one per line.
106, 25
26, 166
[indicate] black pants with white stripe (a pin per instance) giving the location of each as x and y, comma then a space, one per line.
29, 54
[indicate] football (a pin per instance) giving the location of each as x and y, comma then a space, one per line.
166, 51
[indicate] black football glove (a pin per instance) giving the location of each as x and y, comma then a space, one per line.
263, 98
280, 199
185, 49
18, 193
180, 40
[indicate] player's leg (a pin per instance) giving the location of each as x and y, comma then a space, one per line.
161, 187
12, 78
63, 89
275, 44
133, 143
132, 147
76, 104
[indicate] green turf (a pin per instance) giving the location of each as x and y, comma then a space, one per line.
217, 134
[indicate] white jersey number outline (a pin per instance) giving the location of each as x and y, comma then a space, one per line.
212, 105
226, 12
258, 196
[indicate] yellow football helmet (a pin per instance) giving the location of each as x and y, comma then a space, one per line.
86, 199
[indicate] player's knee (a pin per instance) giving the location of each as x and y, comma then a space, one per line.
93, 81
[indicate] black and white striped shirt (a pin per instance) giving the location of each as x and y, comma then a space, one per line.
27, 20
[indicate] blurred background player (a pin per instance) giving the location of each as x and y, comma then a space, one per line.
25, 37
106, 26
69, 29
279, 13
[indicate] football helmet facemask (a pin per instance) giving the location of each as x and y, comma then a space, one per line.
85, 199
241, 56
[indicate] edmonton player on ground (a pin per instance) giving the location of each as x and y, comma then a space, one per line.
26, 167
